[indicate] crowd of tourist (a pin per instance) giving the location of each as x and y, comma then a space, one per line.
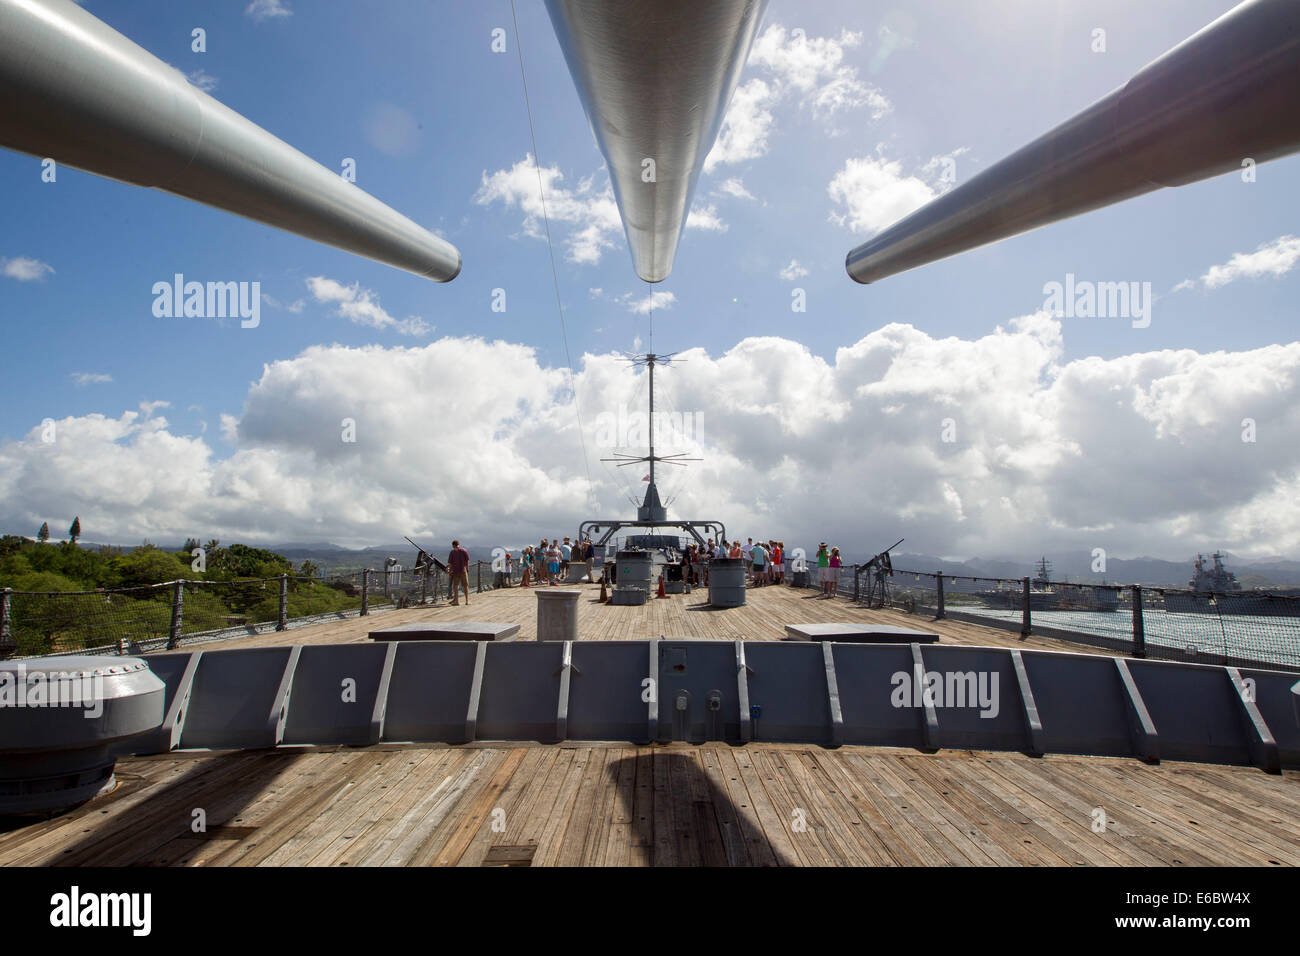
765, 562
548, 562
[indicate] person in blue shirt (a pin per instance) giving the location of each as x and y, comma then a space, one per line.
758, 554
566, 552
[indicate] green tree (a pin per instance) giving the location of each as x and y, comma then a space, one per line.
190, 545
145, 566
44, 534
75, 531
242, 561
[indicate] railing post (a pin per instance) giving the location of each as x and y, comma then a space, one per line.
857, 570
365, 592
1025, 622
178, 613
938, 586
7, 644
1139, 625
283, 623
478, 575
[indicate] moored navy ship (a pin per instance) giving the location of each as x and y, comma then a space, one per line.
1047, 595
1216, 590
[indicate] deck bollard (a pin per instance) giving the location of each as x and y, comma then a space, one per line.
557, 615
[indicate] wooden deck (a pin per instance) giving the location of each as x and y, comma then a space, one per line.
612, 804
716, 805
763, 618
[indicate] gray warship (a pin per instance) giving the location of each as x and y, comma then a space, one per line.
1216, 590
1047, 595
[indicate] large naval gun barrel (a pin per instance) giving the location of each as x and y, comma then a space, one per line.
1225, 98
74, 90
655, 80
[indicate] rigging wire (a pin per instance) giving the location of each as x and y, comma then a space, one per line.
550, 248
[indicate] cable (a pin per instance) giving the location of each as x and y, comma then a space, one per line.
550, 248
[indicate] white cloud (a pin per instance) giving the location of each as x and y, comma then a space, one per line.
90, 378
24, 269
793, 271
814, 68
655, 300
362, 307
268, 9
875, 193
811, 69
1275, 258
202, 80
746, 126
595, 292
943, 171
705, 216
591, 214
734, 187
1044, 457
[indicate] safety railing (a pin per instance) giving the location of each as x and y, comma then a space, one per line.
1245, 628
154, 617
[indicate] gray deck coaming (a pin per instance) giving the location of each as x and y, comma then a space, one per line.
521, 702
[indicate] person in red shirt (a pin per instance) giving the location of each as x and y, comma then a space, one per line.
458, 569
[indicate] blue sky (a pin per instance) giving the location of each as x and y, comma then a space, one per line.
412, 91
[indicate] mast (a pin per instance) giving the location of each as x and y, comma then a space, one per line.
651, 511
650, 363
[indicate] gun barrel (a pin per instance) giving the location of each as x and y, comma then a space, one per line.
75, 90
655, 80
1228, 94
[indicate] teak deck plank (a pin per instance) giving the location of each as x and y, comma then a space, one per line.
425, 789
1006, 815
981, 822
1124, 838
890, 846
677, 804
1226, 838
774, 827
422, 823
387, 813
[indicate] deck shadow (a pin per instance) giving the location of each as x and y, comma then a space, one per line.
131, 839
681, 817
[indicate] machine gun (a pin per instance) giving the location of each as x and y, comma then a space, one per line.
424, 561
879, 569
